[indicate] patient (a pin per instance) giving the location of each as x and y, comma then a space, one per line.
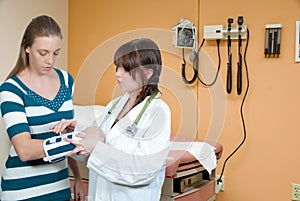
35, 96
129, 145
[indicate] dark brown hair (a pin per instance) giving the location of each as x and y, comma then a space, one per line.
136, 55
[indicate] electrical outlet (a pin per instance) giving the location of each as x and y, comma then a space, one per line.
220, 186
295, 191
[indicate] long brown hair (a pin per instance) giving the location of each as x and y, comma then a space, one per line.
136, 55
40, 26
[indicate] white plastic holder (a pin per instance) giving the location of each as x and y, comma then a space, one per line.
213, 32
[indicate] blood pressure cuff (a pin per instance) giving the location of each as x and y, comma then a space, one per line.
56, 147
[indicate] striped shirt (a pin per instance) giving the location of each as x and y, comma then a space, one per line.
25, 111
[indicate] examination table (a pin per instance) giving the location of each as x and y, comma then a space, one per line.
187, 179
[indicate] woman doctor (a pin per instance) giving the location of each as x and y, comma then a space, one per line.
129, 145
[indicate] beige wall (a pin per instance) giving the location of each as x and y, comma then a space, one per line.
14, 17
96, 30
266, 165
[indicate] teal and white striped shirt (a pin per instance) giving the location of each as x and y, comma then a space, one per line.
25, 111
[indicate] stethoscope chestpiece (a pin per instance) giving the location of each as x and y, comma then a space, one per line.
131, 130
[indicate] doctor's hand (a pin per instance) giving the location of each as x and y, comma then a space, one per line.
89, 139
64, 125
79, 193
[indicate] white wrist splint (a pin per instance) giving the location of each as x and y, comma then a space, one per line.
56, 147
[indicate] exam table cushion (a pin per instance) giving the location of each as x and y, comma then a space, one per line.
179, 160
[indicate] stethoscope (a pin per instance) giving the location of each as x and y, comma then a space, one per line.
131, 130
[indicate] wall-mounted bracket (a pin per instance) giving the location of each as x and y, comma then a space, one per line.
272, 40
213, 32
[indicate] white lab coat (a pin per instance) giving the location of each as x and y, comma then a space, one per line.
126, 168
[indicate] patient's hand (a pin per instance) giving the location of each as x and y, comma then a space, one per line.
89, 139
64, 126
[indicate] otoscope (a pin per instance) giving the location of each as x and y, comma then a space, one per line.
229, 64
239, 64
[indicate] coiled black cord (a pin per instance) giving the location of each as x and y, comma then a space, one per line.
191, 81
195, 67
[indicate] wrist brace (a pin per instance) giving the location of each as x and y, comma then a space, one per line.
56, 147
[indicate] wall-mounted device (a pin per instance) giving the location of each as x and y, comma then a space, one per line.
240, 22
184, 34
272, 40
229, 54
233, 33
213, 32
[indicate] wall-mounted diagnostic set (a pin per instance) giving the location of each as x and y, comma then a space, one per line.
184, 36
230, 32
